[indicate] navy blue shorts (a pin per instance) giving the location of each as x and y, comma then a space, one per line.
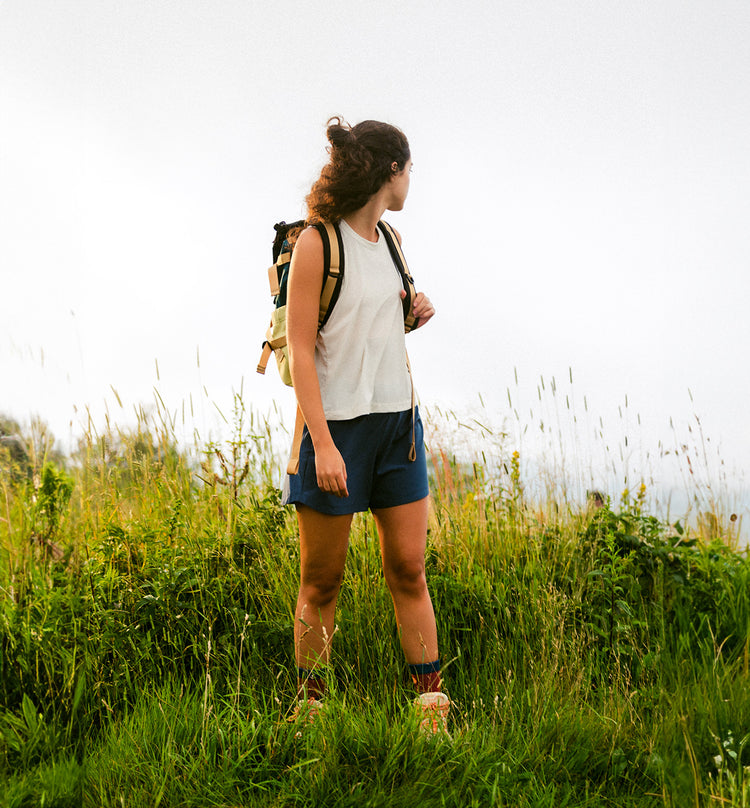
379, 473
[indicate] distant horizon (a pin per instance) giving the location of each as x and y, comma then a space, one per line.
668, 498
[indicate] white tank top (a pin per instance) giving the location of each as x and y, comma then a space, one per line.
360, 353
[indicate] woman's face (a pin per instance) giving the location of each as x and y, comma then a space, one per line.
400, 187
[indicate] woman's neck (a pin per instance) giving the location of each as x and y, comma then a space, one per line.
364, 221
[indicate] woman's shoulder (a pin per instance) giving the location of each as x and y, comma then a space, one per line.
309, 239
309, 245
308, 255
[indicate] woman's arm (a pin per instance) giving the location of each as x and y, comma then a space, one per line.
302, 307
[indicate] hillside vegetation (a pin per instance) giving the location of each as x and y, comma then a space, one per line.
594, 655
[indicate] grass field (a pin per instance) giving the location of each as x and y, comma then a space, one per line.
594, 656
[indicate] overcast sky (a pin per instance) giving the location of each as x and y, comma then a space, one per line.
579, 204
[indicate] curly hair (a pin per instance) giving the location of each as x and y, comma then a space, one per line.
361, 162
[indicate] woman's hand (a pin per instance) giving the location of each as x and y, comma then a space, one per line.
330, 470
423, 308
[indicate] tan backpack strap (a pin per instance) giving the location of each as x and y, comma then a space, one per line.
413, 447
333, 261
299, 425
264, 357
273, 279
270, 344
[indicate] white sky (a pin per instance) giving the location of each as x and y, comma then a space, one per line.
580, 199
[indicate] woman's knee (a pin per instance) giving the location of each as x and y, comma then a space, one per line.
320, 591
407, 577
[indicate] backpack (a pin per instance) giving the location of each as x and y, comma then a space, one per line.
333, 277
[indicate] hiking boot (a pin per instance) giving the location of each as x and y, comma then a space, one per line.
434, 707
307, 710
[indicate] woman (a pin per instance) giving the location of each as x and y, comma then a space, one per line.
353, 388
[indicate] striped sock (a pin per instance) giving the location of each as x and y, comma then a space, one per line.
311, 684
427, 678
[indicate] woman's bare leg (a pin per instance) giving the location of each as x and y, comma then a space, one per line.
403, 538
324, 540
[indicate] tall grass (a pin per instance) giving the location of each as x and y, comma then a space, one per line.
594, 655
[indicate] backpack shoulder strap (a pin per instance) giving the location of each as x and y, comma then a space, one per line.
410, 321
333, 269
